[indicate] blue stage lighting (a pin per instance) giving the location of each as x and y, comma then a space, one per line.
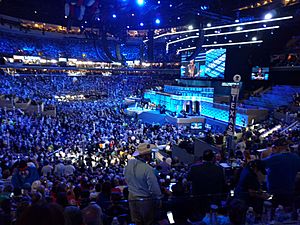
140, 2
141, 24
157, 21
114, 16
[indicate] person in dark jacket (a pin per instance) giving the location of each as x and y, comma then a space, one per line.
249, 186
208, 182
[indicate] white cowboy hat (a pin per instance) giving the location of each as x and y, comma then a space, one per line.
143, 149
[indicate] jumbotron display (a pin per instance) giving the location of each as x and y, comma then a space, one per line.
260, 73
207, 65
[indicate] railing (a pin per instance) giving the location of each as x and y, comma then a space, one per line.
200, 209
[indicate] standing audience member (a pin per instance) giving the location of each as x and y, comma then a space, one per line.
282, 168
144, 190
47, 169
24, 175
59, 169
207, 179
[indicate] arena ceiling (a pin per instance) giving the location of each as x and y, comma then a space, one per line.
127, 13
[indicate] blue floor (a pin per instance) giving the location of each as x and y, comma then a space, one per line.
152, 117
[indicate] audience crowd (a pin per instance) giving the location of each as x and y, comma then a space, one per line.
54, 48
79, 167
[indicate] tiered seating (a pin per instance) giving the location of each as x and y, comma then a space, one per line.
79, 48
279, 95
211, 110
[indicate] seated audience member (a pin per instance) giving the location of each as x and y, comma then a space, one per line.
92, 215
46, 214
73, 216
165, 167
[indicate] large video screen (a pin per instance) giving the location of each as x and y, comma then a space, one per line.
207, 65
260, 73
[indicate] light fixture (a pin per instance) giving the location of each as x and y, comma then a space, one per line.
241, 31
190, 27
248, 23
268, 16
157, 21
185, 49
140, 2
233, 43
114, 16
208, 25
254, 38
175, 33
182, 39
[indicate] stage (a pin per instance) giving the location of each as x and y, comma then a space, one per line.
154, 116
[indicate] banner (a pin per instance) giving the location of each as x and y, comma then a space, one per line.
232, 110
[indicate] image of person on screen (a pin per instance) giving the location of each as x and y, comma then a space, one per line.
259, 75
192, 69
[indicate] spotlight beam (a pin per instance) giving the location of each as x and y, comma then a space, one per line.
242, 31
248, 23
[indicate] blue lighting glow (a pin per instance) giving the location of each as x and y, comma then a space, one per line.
140, 2
175, 97
141, 24
157, 21
114, 16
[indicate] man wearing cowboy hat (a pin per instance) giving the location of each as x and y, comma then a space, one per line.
144, 190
